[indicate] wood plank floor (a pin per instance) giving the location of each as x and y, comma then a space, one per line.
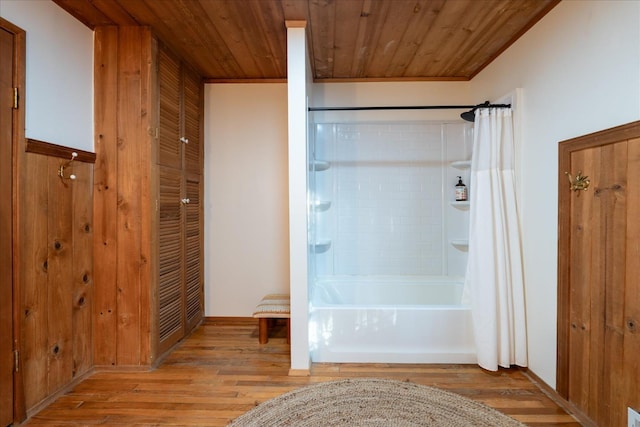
221, 371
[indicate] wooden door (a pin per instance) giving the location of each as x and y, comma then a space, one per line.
193, 253
6, 240
169, 80
599, 275
193, 108
170, 246
180, 282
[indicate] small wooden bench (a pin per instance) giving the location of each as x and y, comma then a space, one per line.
271, 307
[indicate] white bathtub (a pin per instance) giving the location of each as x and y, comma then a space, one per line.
390, 320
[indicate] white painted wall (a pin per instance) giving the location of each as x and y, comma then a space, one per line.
59, 75
579, 68
246, 210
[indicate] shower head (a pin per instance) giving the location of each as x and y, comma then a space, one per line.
469, 116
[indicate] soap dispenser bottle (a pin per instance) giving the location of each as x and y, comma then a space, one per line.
461, 191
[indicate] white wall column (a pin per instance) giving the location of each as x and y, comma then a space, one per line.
297, 114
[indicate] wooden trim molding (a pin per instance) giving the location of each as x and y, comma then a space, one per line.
53, 150
244, 81
557, 399
295, 23
212, 320
18, 125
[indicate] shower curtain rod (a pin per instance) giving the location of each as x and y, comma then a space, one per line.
413, 107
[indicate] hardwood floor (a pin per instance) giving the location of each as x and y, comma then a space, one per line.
221, 371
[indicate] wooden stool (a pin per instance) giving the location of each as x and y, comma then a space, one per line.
272, 306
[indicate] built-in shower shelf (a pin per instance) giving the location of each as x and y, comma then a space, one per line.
320, 205
320, 246
460, 243
461, 164
319, 165
460, 205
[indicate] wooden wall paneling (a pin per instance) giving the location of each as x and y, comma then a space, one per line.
629, 384
60, 278
56, 331
82, 296
579, 315
148, 195
593, 304
105, 202
614, 160
34, 266
129, 161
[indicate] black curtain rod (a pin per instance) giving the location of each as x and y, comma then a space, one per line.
412, 107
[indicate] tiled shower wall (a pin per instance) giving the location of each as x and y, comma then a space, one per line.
389, 189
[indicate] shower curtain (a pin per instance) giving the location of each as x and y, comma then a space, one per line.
494, 278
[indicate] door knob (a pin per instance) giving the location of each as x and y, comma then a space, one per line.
185, 201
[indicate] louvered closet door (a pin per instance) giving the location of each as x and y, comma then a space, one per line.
170, 149
170, 281
193, 253
192, 103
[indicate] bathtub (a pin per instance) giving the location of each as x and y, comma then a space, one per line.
390, 320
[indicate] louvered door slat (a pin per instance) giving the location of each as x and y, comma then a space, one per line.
192, 102
171, 269
169, 128
193, 253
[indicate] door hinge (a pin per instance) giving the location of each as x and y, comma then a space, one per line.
16, 98
16, 360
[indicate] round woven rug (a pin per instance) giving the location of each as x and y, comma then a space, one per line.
372, 402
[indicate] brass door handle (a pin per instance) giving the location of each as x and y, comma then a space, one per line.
580, 182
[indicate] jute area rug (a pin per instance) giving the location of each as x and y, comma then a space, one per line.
372, 402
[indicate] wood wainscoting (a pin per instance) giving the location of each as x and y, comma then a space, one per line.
55, 223
598, 270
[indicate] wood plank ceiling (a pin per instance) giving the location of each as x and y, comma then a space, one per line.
349, 40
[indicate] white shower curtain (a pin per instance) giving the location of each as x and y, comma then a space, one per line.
494, 279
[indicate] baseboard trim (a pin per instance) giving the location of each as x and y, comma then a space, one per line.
123, 368
299, 372
552, 394
211, 320
51, 398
